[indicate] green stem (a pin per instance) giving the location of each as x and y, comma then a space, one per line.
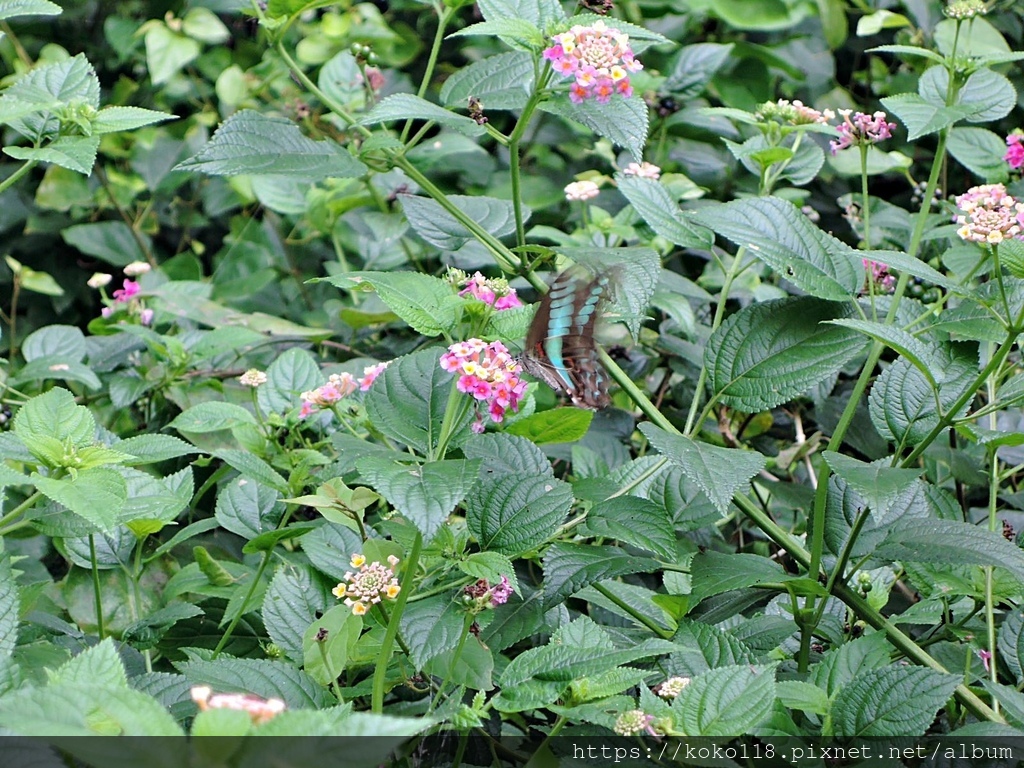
866, 204
96, 585
639, 616
384, 657
514, 161
245, 604
21, 509
723, 296
13, 178
443, 18
329, 668
453, 412
467, 622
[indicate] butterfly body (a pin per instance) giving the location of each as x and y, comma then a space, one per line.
560, 348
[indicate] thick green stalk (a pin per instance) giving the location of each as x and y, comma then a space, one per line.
96, 585
380, 672
14, 177
444, 15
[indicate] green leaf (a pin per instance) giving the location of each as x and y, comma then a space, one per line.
212, 417
146, 633
765, 15
988, 95
96, 494
292, 373
76, 153
405, 106
714, 573
10, 9
251, 143
772, 352
516, 514
259, 677
342, 628
99, 665
167, 53
720, 472
8, 608
903, 262
568, 568
428, 304
653, 204
622, 121
425, 494
111, 241
922, 117
515, 33
576, 650
840, 665
114, 119
249, 465
502, 453
1011, 642
491, 566
636, 521
541, 13
559, 425
56, 417
440, 228
909, 50
149, 449
47, 88
780, 235
247, 508
294, 599
202, 24
700, 647
499, 82
45, 368
408, 401
874, 22
432, 627
85, 709
694, 66
950, 542
60, 341
917, 352
895, 701
903, 402
981, 152
728, 701
878, 483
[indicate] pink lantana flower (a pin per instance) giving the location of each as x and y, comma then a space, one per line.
599, 59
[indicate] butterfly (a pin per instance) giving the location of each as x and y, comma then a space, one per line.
560, 348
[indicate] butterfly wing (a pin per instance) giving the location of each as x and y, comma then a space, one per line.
560, 347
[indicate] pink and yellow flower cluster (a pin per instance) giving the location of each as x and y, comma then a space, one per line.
367, 585
487, 372
597, 57
481, 594
490, 290
861, 128
1015, 150
989, 215
339, 386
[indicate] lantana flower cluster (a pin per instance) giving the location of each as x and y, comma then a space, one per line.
494, 291
644, 170
338, 386
487, 372
125, 297
671, 687
1015, 150
599, 59
860, 128
578, 191
989, 215
633, 722
369, 584
260, 710
788, 112
481, 595
879, 276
